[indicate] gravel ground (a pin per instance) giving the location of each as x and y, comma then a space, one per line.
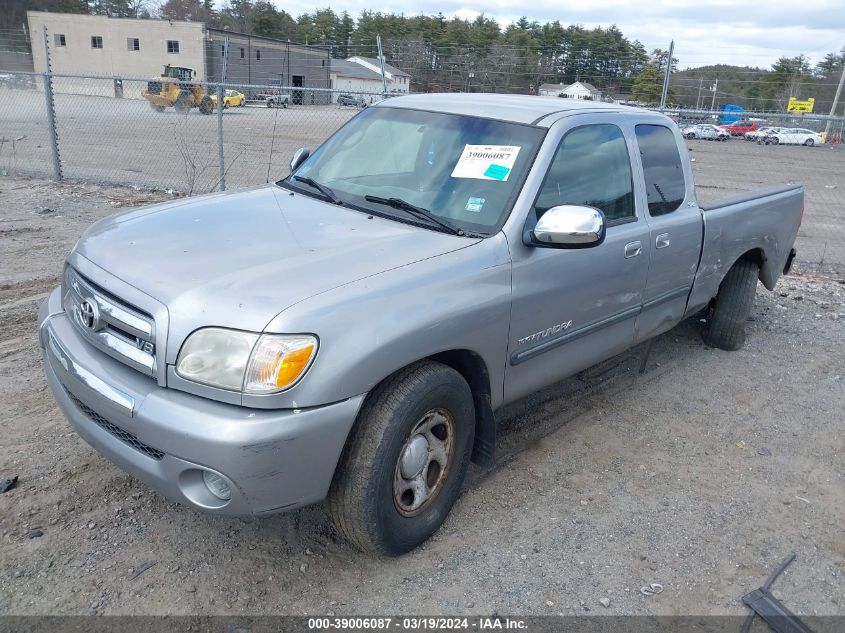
700, 474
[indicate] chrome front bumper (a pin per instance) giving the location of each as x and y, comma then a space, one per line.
272, 460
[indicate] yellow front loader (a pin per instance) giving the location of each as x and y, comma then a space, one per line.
175, 88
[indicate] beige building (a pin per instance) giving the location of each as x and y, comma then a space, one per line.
130, 48
113, 47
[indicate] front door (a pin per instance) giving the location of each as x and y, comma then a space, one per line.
575, 307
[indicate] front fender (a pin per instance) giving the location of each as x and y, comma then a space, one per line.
370, 328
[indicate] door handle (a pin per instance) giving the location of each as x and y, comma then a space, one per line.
632, 249
662, 241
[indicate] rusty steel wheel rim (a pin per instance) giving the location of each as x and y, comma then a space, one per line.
422, 467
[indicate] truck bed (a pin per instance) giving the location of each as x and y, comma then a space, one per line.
761, 224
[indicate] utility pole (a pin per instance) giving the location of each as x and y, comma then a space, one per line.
381, 61
836, 97
714, 89
698, 98
666, 76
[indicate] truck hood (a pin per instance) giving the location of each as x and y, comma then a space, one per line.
238, 259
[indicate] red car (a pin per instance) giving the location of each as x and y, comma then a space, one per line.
740, 128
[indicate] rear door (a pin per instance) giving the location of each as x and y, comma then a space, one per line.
675, 228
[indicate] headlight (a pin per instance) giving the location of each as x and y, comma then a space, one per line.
245, 361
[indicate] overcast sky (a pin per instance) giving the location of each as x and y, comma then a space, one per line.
705, 32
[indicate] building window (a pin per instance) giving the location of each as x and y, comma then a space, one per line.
96, 41
172, 46
60, 39
222, 50
258, 55
133, 43
242, 53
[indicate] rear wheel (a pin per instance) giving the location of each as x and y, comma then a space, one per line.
809, 142
726, 325
775, 141
402, 468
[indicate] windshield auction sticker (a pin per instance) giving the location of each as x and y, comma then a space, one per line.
486, 162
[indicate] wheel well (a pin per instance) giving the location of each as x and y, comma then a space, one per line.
755, 255
474, 370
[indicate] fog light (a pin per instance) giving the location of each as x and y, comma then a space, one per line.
216, 485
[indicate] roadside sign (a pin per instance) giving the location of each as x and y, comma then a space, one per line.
800, 106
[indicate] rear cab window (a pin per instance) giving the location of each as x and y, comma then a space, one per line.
663, 170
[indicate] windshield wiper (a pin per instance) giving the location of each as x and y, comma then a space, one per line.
398, 203
328, 193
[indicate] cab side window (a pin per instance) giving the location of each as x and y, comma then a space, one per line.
664, 174
591, 168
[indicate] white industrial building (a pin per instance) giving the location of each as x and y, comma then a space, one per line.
397, 81
349, 77
577, 90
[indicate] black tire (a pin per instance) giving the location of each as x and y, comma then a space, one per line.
776, 141
809, 142
362, 502
726, 325
206, 105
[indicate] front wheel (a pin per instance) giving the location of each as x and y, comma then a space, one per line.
775, 141
809, 142
403, 465
726, 325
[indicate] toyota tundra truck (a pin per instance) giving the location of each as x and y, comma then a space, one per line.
346, 334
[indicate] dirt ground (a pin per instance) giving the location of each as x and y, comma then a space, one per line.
700, 474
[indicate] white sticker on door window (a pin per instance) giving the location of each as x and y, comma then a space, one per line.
486, 162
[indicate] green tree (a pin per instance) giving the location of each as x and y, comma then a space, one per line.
264, 19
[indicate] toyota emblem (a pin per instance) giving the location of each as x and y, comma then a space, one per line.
89, 315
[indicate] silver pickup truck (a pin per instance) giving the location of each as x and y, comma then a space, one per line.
347, 333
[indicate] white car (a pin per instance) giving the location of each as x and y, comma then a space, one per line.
763, 132
707, 132
793, 136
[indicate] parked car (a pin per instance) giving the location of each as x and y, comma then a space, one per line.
741, 127
274, 100
356, 101
759, 134
348, 332
707, 132
793, 136
231, 99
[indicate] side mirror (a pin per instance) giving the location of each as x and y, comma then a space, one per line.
569, 226
299, 157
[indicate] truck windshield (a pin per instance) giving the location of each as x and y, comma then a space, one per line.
464, 169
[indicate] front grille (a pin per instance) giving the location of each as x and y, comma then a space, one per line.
124, 436
115, 327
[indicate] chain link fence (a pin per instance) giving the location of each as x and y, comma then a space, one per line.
107, 131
